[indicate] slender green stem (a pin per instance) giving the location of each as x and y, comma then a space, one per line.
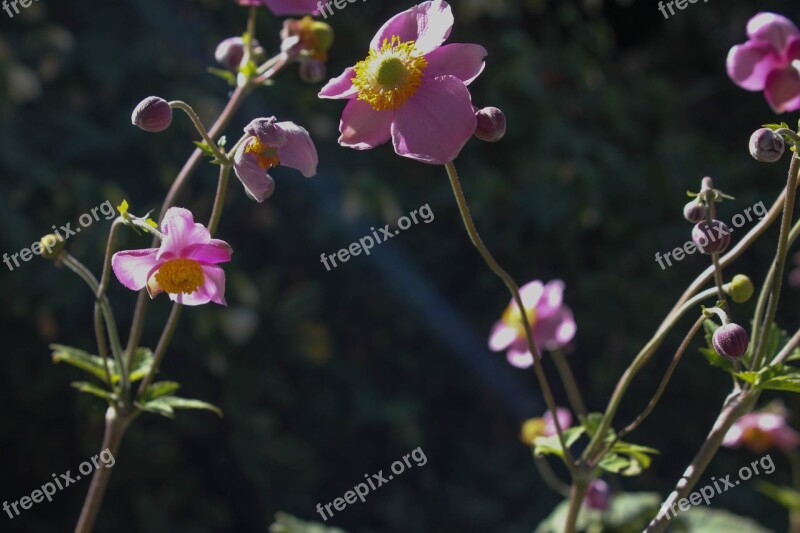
161, 347
591, 451
787, 349
102, 349
780, 258
201, 129
576, 496
466, 216
709, 194
665, 380
219, 200
568, 379
101, 291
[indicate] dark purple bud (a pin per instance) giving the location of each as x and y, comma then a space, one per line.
153, 114
730, 341
713, 238
694, 211
229, 53
598, 496
766, 145
491, 124
312, 71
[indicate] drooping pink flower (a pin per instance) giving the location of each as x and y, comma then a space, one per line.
184, 266
544, 426
271, 144
598, 496
769, 61
762, 430
552, 323
411, 88
285, 7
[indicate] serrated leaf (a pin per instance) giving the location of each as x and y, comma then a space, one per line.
552, 446
87, 362
91, 388
788, 382
749, 377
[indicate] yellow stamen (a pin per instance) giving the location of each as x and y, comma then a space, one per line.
513, 317
266, 156
180, 276
390, 76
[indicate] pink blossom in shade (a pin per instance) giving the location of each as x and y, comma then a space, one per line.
285, 7
598, 496
552, 323
761, 431
269, 145
564, 420
184, 266
769, 61
411, 88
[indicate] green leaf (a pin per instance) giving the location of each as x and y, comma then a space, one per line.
627, 459
749, 377
160, 388
285, 523
786, 496
788, 382
166, 405
226, 75
157, 407
627, 513
140, 365
552, 446
702, 519
592, 422
91, 388
80, 359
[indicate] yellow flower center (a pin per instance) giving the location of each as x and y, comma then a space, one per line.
390, 76
180, 276
757, 439
266, 155
513, 317
531, 429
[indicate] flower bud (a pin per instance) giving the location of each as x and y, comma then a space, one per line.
229, 53
312, 71
323, 35
491, 124
694, 211
598, 495
711, 239
153, 114
51, 246
730, 341
766, 145
740, 288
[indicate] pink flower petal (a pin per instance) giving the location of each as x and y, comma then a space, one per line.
435, 124
783, 90
552, 299
501, 337
211, 253
340, 88
299, 151
180, 231
564, 420
749, 64
212, 290
520, 359
772, 28
257, 183
268, 131
531, 293
362, 127
464, 61
428, 23
133, 266
733, 438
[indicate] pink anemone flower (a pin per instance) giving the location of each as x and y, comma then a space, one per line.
544, 426
184, 266
269, 145
769, 61
285, 7
411, 88
762, 430
552, 323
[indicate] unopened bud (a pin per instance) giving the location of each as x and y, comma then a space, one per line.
694, 211
323, 34
312, 71
51, 246
229, 53
713, 238
730, 341
740, 289
491, 124
153, 114
766, 145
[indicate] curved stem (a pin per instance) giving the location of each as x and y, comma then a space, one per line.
736, 404
475, 237
665, 380
568, 379
201, 129
116, 425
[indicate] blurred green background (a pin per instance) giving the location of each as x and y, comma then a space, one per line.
613, 113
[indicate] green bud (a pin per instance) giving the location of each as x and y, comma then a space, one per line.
51, 245
740, 288
323, 34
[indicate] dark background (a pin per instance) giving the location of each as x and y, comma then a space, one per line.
613, 113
